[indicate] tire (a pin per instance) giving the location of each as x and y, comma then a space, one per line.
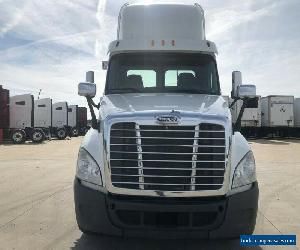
37, 135
18, 136
86, 130
61, 133
74, 132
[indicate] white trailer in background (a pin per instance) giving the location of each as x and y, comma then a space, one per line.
72, 120
21, 119
251, 119
277, 115
60, 120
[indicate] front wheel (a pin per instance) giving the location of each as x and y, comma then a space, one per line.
61, 133
37, 136
74, 132
18, 136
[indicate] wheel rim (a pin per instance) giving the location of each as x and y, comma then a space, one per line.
17, 137
61, 133
37, 136
75, 132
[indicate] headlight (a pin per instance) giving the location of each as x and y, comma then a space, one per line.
87, 168
245, 172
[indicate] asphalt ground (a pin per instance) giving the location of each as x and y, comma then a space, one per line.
37, 207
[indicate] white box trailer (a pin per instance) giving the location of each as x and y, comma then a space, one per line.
278, 111
72, 120
297, 112
21, 119
60, 120
277, 115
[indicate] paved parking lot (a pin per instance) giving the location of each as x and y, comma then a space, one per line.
37, 210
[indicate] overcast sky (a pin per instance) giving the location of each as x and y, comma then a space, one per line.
50, 44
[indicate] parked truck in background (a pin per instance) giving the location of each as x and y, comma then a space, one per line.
73, 120
60, 127
82, 120
21, 120
43, 115
163, 159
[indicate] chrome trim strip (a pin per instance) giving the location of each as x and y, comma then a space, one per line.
167, 153
183, 169
169, 176
166, 184
140, 156
166, 138
194, 158
141, 160
169, 145
172, 130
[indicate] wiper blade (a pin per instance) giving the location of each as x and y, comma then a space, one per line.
123, 90
193, 91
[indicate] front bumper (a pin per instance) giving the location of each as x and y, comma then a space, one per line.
203, 217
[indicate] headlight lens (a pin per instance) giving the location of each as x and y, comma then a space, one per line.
245, 172
87, 168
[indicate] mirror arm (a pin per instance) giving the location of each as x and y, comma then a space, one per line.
97, 106
90, 102
238, 123
234, 101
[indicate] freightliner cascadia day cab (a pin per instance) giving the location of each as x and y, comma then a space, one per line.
163, 158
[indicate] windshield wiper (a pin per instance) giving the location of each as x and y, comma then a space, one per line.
193, 91
123, 90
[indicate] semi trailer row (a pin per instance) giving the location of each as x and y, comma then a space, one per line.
274, 115
22, 118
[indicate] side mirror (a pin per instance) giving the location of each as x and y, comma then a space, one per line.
236, 81
87, 89
246, 91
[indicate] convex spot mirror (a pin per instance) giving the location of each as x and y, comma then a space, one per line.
246, 91
87, 89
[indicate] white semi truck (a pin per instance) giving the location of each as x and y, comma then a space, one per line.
21, 120
43, 115
60, 126
163, 158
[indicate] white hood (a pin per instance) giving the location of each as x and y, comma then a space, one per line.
134, 103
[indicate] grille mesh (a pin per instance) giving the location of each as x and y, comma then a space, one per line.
167, 158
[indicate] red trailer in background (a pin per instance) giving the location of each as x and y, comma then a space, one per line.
82, 120
4, 113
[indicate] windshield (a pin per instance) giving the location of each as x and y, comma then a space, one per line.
162, 73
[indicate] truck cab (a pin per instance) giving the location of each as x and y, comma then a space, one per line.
162, 157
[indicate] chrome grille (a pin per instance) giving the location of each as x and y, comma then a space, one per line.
167, 158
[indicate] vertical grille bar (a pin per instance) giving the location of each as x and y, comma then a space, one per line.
140, 155
194, 157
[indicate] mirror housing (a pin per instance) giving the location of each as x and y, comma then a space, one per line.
236, 81
87, 89
246, 91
